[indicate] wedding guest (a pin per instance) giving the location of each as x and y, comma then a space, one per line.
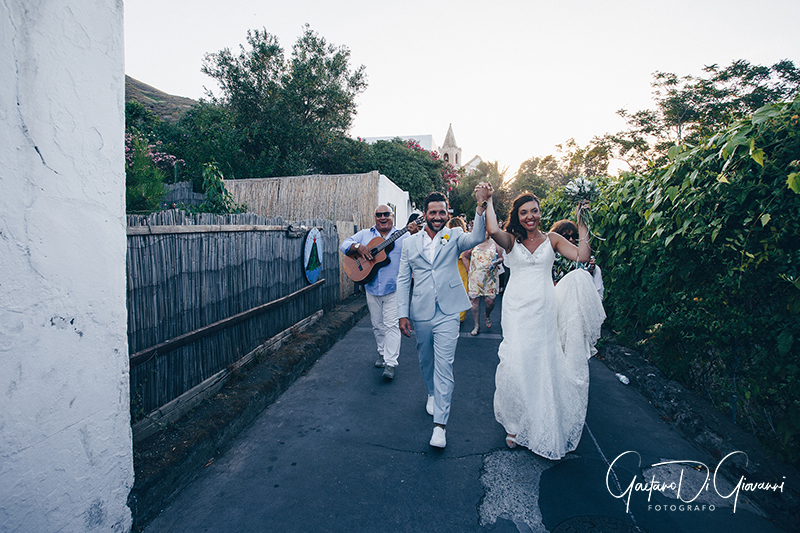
562, 265
458, 222
381, 297
482, 265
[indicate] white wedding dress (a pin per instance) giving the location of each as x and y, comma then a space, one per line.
542, 381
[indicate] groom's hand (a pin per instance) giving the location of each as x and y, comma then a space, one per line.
483, 191
480, 193
405, 327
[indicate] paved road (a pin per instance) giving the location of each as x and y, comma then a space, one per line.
344, 450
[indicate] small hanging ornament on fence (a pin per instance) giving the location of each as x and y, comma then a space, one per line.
312, 255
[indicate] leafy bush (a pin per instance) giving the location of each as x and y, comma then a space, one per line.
144, 180
702, 259
217, 198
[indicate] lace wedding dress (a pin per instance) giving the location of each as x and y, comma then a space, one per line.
542, 381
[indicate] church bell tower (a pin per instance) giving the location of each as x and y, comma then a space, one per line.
450, 151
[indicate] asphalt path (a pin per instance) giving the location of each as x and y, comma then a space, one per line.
345, 450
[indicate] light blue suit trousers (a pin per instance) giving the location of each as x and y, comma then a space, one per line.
436, 346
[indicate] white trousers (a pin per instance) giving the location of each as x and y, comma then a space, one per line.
383, 313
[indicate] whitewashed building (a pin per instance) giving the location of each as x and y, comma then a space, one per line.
66, 459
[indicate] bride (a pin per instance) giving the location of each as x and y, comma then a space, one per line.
542, 381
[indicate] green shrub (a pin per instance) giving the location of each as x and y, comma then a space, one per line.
701, 260
144, 181
217, 198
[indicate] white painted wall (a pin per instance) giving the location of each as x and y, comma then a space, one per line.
65, 441
425, 141
389, 193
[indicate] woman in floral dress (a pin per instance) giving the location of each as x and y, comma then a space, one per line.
482, 264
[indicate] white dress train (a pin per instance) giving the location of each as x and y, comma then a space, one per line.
542, 381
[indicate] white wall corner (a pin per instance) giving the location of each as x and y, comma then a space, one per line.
66, 461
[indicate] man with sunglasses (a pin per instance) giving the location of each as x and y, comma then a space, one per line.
381, 297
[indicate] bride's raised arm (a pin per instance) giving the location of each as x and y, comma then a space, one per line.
581, 253
503, 238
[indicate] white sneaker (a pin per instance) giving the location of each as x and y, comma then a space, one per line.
437, 439
429, 405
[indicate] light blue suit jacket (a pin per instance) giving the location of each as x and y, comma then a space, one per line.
439, 282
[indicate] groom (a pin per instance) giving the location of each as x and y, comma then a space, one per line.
431, 257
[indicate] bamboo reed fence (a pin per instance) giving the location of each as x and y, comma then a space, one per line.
348, 200
350, 197
186, 272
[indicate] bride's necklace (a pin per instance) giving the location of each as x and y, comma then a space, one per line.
532, 239
532, 256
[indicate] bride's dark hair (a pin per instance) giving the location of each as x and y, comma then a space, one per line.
514, 226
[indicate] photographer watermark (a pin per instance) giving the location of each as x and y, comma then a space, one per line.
689, 482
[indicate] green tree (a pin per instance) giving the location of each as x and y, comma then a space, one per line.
543, 175
409, 166
145, 125
538, 175
141, 119
206, 134
284, 111
689, 109
462, 198
217, 198
588, 161
343, 155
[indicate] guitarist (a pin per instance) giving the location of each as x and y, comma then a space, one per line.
381, 297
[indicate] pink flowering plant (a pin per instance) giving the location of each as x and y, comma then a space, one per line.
145, 172
135, 142
449, 174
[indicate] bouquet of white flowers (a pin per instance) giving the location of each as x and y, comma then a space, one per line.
578, 191
581, 189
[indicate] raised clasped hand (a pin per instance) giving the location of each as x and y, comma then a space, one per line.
483, 191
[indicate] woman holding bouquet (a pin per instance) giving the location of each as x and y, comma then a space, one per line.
542, 381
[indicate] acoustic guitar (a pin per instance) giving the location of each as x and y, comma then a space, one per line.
362, 271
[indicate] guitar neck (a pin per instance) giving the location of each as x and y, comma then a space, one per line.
394, 237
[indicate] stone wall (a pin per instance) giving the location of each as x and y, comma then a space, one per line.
66, 461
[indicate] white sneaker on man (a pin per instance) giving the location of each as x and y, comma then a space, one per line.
429, 405
438, 439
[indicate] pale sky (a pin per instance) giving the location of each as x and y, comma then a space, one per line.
515, 78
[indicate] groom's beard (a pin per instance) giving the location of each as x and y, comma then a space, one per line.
436, 225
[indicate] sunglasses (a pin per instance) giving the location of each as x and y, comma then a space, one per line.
385, 214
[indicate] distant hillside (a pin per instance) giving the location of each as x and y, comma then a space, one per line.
170, 108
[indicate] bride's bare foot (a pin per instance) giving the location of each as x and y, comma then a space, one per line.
511, 441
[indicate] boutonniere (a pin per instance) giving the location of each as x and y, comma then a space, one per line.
445, 238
